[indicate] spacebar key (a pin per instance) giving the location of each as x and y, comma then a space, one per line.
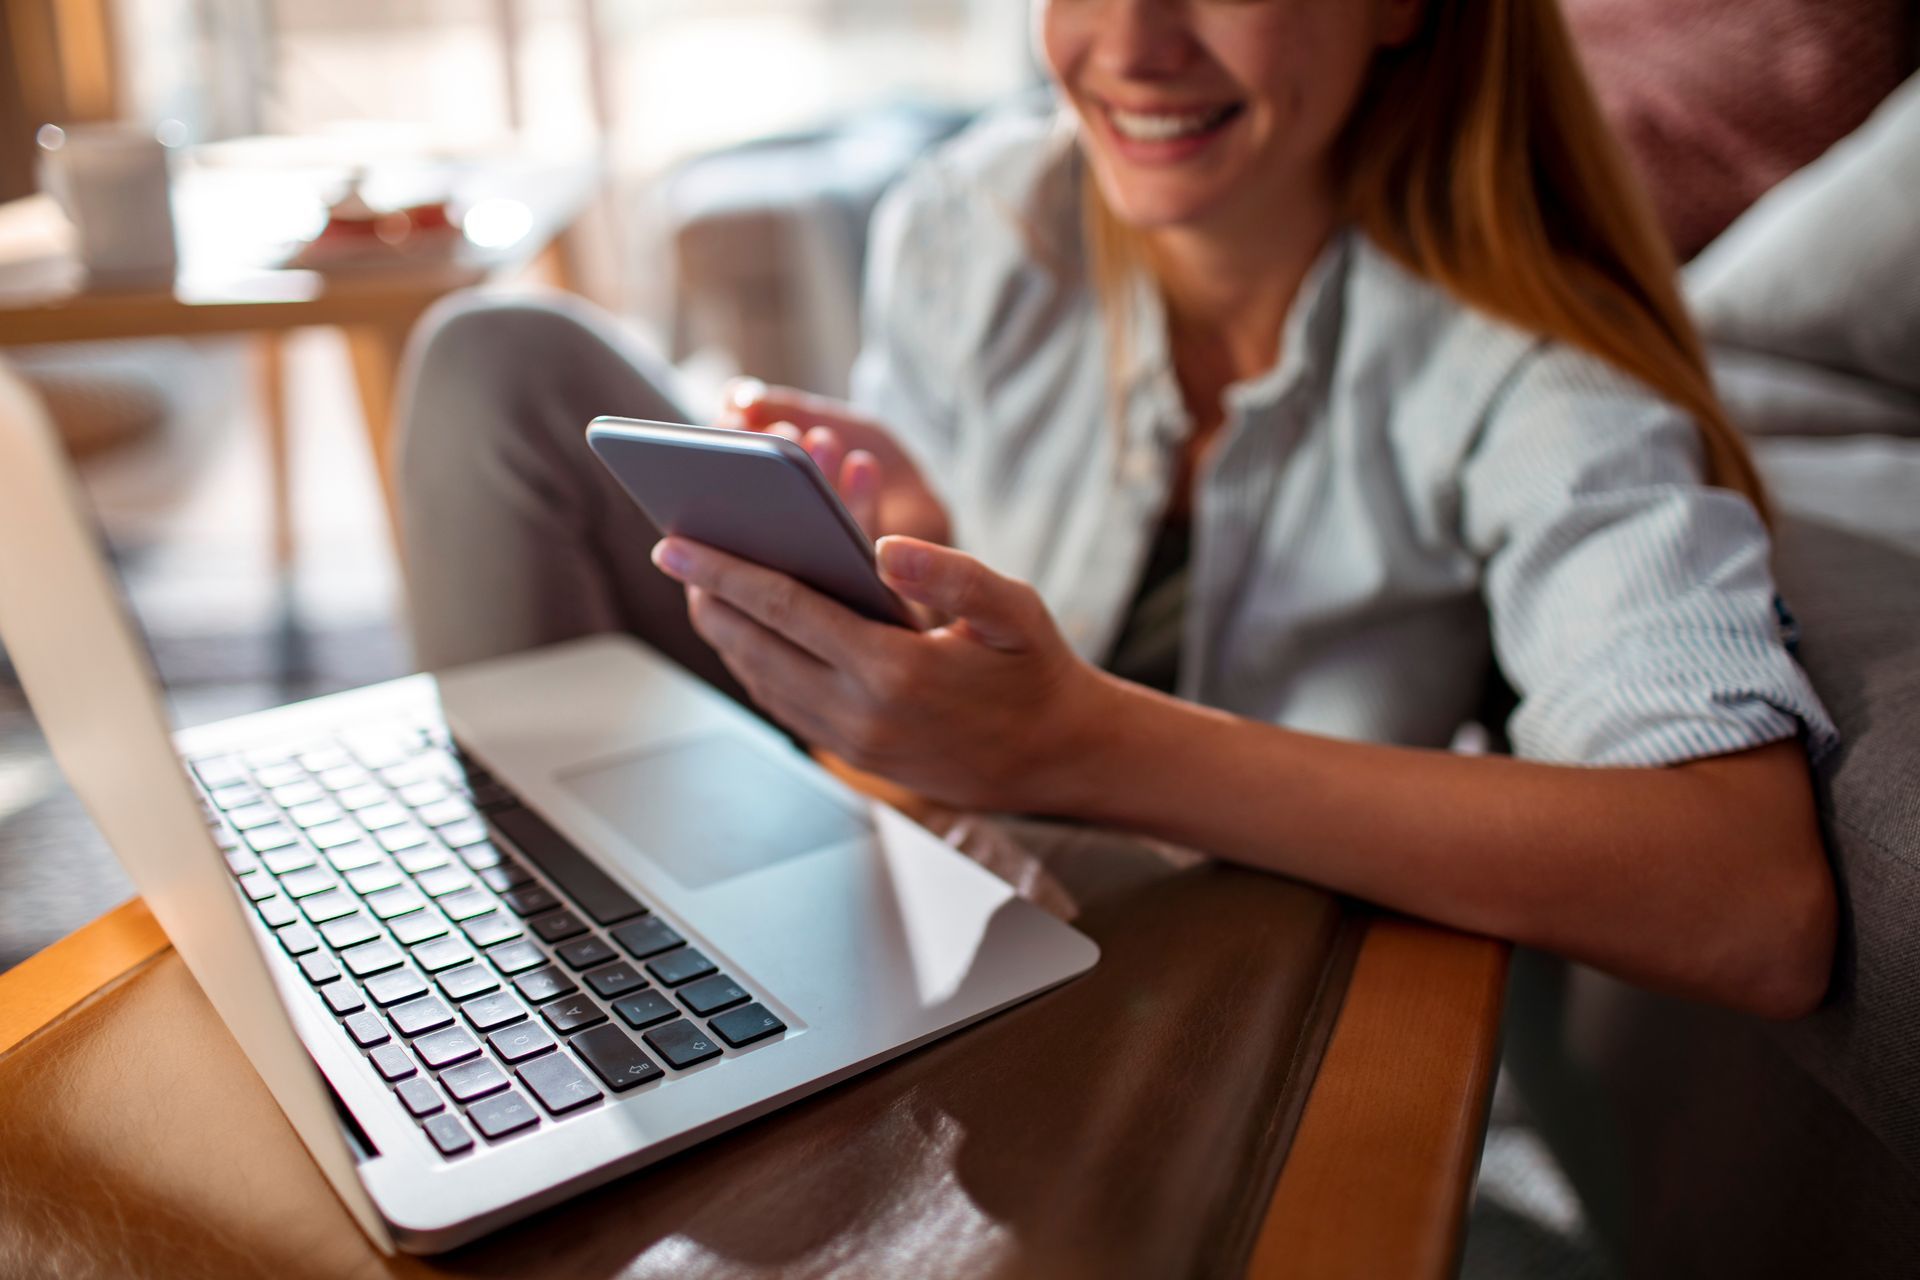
590, 887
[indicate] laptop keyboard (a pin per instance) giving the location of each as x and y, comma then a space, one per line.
493, 976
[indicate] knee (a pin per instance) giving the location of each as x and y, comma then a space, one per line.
472, 341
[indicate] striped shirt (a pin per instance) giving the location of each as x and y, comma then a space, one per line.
1412, 494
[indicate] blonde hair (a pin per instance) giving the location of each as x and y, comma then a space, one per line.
1477, 157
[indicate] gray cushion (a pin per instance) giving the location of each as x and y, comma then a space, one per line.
1769, 395
1858, 601
1823, 268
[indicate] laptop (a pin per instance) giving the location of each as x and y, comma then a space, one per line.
500, 934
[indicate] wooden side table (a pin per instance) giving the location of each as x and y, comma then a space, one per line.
228, 284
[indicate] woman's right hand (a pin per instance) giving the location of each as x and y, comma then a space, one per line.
876, 479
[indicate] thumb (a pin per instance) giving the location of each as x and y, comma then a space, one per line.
997, 609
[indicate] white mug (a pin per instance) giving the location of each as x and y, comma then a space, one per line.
112, 180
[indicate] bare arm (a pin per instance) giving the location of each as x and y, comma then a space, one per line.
1706, 879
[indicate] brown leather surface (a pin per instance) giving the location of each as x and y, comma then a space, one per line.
1130, 1123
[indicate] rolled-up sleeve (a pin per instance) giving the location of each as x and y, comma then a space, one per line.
900, 378
1632, 606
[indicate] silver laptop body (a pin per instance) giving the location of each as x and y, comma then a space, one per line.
592, 907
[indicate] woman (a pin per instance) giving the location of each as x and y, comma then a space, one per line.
1486, 433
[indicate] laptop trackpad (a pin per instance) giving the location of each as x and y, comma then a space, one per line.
713, 808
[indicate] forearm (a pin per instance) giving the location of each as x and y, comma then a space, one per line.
1689, 879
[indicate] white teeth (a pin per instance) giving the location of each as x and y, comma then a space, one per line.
1163, 128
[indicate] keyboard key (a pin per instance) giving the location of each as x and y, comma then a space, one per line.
443, 812
446, 1047
484, 857
253, 815
544, 984
394, 839
283, 862
571, 1013
494, 1010
321, 759
591, 888
391, 1061
277, 836
461, 834
366, 1029
333, 835
362, 795
389, 903
276, 911
747, 1024
395, 985
448, 1134
417, 928
342, 777
557, 926
343, 998
279, 775
645, 1009
420, 860
401, 772
373, 878
420, 1097
239, 861
473, 1080
676, 967
219, 771
529, 900
516, 957
417, 1017
521, 1040
297, 939
502, 1114
615, 980
584, 953
558, 1083
352, 857
681, 1043
467, 904
316, 814
378, 817
466, 981
615, 1058
304, 884
441, 881
258, 885
295, 794
442, 953
349, 931
424, 793
711, 995
328, 906
236, 795
649, 937
319, 968
371, 957
490, 929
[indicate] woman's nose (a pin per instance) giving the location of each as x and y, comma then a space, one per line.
1145, 39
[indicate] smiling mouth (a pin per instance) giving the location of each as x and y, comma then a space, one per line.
1169, 126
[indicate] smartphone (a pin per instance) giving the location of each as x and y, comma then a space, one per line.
757, 496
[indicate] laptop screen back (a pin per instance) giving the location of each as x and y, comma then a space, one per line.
94, 694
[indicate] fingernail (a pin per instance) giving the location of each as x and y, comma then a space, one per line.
746, 391
903, 560
671, 557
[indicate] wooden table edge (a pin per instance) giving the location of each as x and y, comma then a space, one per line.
1378, 1176
1376, 1179
38, 990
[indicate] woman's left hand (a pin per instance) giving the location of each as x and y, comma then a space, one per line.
983, 711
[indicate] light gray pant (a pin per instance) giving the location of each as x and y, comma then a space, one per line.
514, 535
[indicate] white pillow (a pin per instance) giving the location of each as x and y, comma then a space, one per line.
1825, 268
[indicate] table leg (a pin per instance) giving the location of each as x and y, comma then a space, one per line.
273, 408
376, 351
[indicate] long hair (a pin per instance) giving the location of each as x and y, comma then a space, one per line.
1477, 157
